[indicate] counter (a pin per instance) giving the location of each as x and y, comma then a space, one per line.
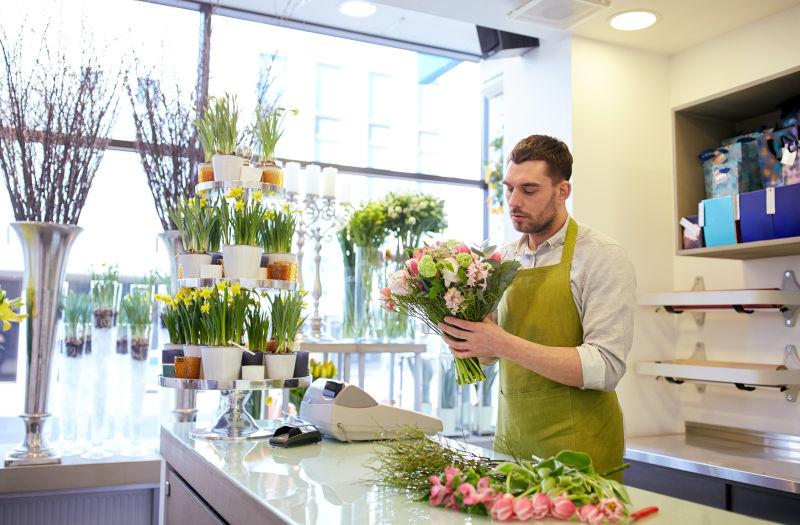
326, 483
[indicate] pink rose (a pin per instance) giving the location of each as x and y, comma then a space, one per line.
469, 493
523, 508
386, 294
496, 257
591, 514
541, 506
562, 508
503, 508
418, 254
413, 267
612, 508
438, 494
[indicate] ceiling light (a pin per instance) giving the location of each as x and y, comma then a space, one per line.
357, 8
633, 20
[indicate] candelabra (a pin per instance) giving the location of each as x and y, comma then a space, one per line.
317, 221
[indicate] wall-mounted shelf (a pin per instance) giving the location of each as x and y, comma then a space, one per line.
749, 250
785, 299
745, 376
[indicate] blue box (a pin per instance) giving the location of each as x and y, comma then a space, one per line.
756, 224
719, 223
786, 220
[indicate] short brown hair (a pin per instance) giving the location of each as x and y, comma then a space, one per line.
548, 149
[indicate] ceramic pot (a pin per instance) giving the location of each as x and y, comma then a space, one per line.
301, 364
280, 366
256, 358
170, 352
253, 372
221, 363
241, 262
189, 264
251, 173
227, 167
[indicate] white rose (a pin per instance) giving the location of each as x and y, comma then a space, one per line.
450, 271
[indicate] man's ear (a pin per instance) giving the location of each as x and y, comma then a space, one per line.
564, 190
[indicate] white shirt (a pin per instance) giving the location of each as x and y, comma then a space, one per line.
604, 289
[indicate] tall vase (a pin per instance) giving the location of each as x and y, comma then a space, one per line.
46, 248
349, 313
185, 400
369, 280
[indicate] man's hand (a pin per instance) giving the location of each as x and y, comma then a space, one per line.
482, 340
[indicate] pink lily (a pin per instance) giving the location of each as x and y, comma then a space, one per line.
591, 514
562, 507
503, 508
541, 505
451, 503
612, 508
523, 508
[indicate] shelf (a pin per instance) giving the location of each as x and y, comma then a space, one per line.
352, 347
254, 284
749, 250
721, 299
237, 384
267, 189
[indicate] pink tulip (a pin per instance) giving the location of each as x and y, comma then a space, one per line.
435, 480
496, 257
450, 502
485, 493
450, 473
562, 508
503, 508
591, 514
438, 494
419, 253
612, 508
386, 294
413, 267
390, 305
523, 508
541, 506
469, 493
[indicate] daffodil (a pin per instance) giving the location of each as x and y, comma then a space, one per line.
191, 201
235, 193
8, 315
205, 293
257, 195
239, 205
187, 300
203, 201
221, 285
236, 289
205, 307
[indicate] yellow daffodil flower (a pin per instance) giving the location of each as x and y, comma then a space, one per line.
221, 285
205, 293
239, 205
206, 307
236, 289
191, 201
8, 315
258, 195
187, 300
235, 193
203, 201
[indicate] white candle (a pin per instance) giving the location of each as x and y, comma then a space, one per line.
344, 190
329, 182
291, 177
313, 179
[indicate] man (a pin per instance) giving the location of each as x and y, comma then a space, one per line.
565, 323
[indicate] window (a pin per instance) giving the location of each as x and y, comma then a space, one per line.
379, 145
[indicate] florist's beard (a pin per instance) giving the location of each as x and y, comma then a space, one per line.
542, 222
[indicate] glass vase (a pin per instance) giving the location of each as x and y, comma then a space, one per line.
349, 310
98, 381
70, 370
370, 274
137, 366
397, 327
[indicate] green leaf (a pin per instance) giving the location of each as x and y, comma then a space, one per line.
578, 460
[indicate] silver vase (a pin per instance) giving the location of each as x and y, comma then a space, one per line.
46, 247
185, 400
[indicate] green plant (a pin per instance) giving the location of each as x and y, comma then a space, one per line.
256, 324
105, 288
75, 307
494, 176
137, 308
222, 313
367, 225
268, 132
286, 313
218, 127
278, 229
172, 319
349, 263
241, 220
412, 216
199, 224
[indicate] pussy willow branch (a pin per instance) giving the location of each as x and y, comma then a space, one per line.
55, 121
166, 140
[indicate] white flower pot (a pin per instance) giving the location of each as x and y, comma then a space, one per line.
241, 262
189, 264
194, 351
253, 372
252, 173
227, 167
211, 271
448, 417
280, 366
221, 363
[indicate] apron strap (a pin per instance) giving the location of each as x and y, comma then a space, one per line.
569, 242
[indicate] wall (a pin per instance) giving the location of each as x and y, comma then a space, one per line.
739, 57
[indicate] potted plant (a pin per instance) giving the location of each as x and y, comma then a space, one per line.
241, 222
286, 314
190, 321
205, 169
256, 326
87, 319
106, 291
75, 306
277, 233
220, 122
222, 309
137, 308
200, 228
172, 322
122, 330
268, 131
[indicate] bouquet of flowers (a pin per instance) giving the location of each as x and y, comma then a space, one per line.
449, 279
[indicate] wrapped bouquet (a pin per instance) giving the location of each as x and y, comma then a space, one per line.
450, 279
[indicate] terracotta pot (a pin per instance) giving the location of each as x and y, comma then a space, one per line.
272, 174
282, 266
205, 172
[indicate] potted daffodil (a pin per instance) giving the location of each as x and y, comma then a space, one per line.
222, 309
205, 131
199, 224
241, 221
268, 130
277, 233
219, 126
256, 325
286, 314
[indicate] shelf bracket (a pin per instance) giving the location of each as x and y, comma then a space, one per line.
790, 313
699, 317
792, 361
741, 309
700, 355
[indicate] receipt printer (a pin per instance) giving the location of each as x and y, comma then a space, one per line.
347, 413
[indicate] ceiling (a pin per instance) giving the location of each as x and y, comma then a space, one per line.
450, 24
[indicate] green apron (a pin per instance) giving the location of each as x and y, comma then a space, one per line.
538, 416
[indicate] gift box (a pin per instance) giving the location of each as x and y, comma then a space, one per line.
755, 217
731, 169
692, 232
786, 220
719, 221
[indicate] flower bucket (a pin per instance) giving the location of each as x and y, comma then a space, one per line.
221, 363
300, 364
282, 266
251, 173
280, 366
194, 351
253, 372
241, 262
272, 174
189, 264
227, 167
205, 172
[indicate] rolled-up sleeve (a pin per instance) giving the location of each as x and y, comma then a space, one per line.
608, 299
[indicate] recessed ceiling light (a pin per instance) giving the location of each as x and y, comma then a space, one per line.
357, 8
633, 20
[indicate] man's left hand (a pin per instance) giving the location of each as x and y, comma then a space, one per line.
483, 339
